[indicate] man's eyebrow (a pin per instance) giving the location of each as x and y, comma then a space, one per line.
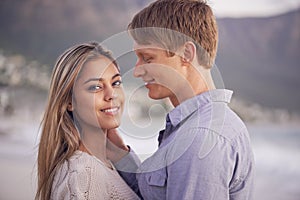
100, 79
143, 53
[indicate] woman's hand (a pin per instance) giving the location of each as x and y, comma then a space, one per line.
115, 146
116, 139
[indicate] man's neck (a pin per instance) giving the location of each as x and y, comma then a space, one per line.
197, 83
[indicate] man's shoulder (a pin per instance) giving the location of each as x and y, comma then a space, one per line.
223, 122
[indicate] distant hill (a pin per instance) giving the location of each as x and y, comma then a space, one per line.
42, 29
258, 57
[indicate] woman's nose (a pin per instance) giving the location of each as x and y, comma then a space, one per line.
110, 94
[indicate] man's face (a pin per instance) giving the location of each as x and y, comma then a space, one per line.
163, 74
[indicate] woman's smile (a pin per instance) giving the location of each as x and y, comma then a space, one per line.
111, 110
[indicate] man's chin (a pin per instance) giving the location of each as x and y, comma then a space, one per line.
155, 96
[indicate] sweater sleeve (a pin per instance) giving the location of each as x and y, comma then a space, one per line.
87, 183
85, 177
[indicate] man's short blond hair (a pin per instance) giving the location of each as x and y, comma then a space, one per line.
177, 22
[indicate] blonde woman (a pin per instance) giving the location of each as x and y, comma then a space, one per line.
85, 100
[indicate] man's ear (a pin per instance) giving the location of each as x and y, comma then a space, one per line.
70, 107
189, 52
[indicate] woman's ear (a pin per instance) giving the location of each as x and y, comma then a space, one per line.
189, 52
70, 107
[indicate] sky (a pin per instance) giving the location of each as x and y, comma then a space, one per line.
249, 8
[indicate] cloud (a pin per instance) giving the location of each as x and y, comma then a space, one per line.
241, 8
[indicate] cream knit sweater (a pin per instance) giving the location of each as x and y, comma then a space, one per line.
85, 177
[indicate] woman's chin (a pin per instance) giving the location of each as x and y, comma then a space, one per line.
113, 125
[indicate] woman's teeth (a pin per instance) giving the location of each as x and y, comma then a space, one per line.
110, 110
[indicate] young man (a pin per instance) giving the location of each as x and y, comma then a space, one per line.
204, 152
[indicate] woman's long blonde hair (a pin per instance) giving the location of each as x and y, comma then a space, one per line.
59, 136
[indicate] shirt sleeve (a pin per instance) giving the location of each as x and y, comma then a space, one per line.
202, 173
127, 168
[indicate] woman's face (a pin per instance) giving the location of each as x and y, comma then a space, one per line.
98, 95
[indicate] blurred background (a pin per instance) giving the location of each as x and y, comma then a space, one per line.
258, 57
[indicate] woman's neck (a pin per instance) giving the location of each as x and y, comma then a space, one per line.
95, 143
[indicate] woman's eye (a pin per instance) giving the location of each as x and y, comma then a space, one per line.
117, 83
95, 87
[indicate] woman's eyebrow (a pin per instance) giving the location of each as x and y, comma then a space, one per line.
93, 79
100, 79
116, 75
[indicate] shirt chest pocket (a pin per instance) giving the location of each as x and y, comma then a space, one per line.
154, 184
157, 178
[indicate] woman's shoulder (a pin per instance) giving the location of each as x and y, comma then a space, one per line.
80, 165
80, 159
77, 175
82, 162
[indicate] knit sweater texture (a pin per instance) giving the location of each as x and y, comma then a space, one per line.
85, 177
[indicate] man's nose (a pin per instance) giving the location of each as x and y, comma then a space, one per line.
139, 69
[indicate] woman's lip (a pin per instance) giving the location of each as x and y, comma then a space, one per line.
111, 109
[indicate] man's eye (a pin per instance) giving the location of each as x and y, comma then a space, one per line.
117, 83
147, 60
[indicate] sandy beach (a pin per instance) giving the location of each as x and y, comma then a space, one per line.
17, 179
17, 170
276, 153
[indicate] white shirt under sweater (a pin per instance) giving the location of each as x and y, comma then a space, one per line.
85, 177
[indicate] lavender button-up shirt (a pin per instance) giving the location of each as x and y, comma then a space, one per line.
204, 153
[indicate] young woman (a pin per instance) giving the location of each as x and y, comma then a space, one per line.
85, 101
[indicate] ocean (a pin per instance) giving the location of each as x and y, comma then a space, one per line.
276, 149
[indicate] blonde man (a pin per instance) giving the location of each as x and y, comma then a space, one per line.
204, 152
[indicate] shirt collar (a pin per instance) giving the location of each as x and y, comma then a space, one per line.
187, 107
